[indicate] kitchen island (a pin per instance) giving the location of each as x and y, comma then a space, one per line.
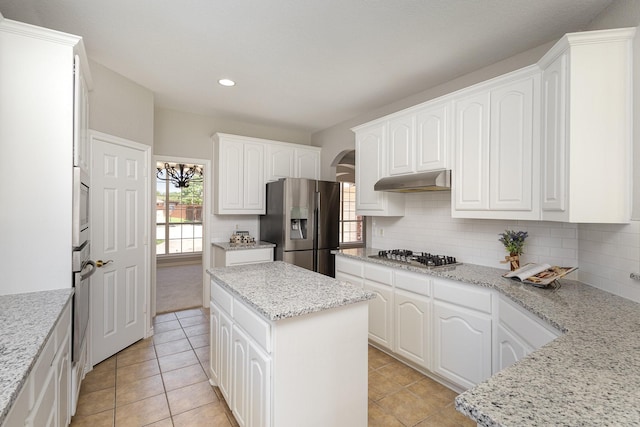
289, 346
27, 323
589, 376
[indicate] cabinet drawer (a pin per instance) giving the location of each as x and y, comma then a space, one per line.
251, 322
20, 408
378, 273
531, 330
413, 282
249, 256
63, 326
221, 297
349, 266
43, 366
462, 294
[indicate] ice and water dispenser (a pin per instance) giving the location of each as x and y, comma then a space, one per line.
299, 217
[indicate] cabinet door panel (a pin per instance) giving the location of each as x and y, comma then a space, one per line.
259, 384
214, 343
231, 175
240, 364
401, 143
253, 186
280, 162
432, 138
472, 153
307, 164
462, 344
225, 373
554, 138
511, 148
510, 349
368, 163
380, 314
412, 322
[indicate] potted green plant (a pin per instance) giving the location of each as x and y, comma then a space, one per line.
513, 242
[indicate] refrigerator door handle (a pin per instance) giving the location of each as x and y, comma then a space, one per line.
316, 231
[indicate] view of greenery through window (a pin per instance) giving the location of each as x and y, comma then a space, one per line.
178, 218
351, 225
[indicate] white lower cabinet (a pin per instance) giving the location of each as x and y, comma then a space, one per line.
518, 334
240, 365
258, 387
462, 344
225, 357
279, 373
225, 258
46, 394
462, 333
412, 327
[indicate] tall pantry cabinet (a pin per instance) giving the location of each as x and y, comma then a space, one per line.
37, 129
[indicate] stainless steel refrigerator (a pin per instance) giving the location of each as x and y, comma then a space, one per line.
302, 219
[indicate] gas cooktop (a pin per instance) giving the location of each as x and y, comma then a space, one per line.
417, 259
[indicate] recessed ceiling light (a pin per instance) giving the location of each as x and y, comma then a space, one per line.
227, 82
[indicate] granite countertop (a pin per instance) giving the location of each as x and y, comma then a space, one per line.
27, 320
278, 290
589, 376
229, 247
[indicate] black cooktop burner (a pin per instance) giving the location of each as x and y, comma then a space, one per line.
417, 259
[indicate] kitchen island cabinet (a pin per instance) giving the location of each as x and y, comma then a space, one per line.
288, 344
226, 255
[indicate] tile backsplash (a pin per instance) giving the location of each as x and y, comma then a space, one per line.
605, 253
223, 226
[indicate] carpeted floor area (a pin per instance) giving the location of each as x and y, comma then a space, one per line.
178, 287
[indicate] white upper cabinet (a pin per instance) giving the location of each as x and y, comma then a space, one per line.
291, 161
280, 162
370, 167
587, 128
307, 162
244, 165
497, 150
419, 138
401, 144
240, 176
433, 123
471, 181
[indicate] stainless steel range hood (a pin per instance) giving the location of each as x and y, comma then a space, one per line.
439, 180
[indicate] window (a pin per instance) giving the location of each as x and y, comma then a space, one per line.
352, 227
178, 217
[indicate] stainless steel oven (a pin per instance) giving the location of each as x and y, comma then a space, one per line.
80, 213
83, 268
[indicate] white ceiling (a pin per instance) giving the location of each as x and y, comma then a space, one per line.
301, 64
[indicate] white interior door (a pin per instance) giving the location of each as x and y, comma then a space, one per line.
119, 220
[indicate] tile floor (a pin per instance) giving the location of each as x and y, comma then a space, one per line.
162, 381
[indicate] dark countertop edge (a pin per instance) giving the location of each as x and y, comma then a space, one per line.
14, 395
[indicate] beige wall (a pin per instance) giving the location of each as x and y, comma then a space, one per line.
119, 106
183, 134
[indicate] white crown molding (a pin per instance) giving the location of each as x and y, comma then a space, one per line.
36, 32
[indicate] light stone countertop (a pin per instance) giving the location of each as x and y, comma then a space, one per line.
229, 247
590, 376
278, 290
26, 322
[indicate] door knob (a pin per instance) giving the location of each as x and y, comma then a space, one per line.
100, 263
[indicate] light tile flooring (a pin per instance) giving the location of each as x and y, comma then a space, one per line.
162, 381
